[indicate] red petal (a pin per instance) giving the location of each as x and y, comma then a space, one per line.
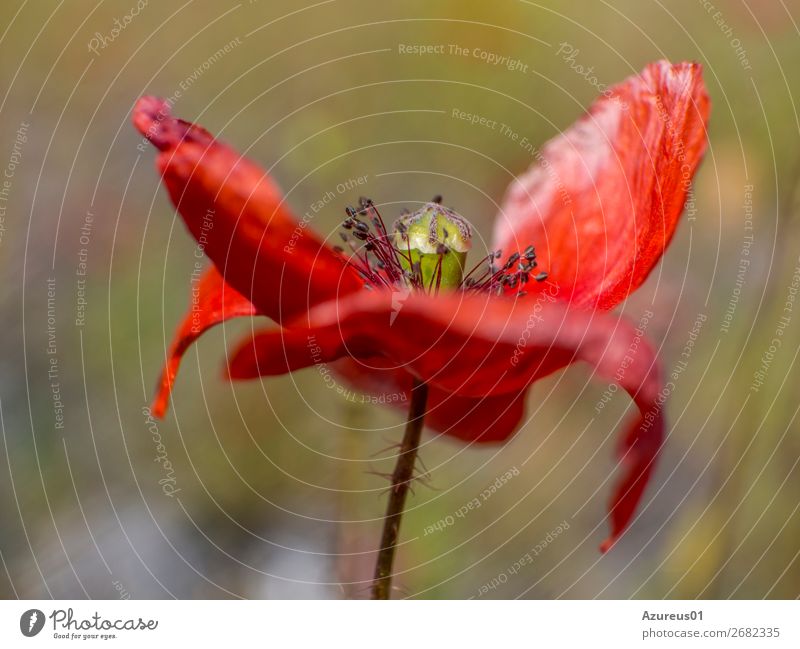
638, 454
237, 214
603, 199
470, 419
213, 302
153, 119
480, 347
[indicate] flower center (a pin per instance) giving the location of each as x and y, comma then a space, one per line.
426, 252
433, 243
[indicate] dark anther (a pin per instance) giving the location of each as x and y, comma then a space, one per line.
514, 272
338, 249
511, 261
374, 258
364, 204
442, 249
437, 199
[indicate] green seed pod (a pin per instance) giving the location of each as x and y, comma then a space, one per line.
438, 240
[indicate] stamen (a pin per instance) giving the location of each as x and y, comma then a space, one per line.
497, 280
374, 257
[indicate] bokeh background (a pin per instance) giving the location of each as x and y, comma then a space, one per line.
274, 486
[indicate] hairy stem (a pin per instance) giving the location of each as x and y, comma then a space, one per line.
401, 480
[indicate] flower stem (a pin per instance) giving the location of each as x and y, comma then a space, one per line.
401, 480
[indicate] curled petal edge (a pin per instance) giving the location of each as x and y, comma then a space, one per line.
213, 302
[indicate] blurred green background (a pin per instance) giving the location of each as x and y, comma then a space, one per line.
277, 488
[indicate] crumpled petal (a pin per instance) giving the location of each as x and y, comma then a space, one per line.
602, 201
477, 347
470, 419
213, 301
237, 214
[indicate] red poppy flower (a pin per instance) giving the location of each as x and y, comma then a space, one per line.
600, 205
